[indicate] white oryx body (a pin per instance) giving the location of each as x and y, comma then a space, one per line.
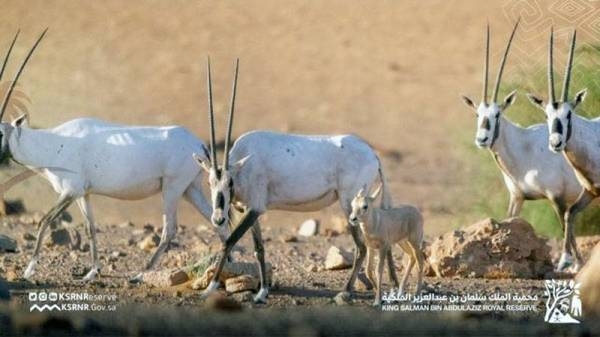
268, 170
578, 139
299, 172
89, 156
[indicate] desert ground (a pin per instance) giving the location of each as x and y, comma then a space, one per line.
391, 72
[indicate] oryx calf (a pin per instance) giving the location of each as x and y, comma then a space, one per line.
577, 138
87, 156
382, 228
268, 170
529, 169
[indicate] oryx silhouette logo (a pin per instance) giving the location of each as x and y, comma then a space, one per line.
44, 307
563, 303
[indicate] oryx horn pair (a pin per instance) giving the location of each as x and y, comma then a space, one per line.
487, 65
18, 73
211, 118
568, 68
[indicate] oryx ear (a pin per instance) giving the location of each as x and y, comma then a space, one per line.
240, 163
19, 121
536, 101
579, 97
375, 194
509, 100
469, 102
203, 162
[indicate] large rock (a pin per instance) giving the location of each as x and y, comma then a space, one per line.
165, 278
241, 283
338, 259
491, 249
589, 280
204, 270
7, 244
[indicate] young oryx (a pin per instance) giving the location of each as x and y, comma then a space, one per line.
381, 228
529, 169
268, 170
577, 138
87, 156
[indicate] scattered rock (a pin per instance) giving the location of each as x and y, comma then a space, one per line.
589, 279
28, 236
289, 238
491, 249
338, 259
150, 242
59, 237
343, 298
9, 207
11, 275
311, 268
126, 224
339, 224
165, 278
330, 232
218, 301
4, 292
244, 296
241, 283
7, 244
309, 227
586, 244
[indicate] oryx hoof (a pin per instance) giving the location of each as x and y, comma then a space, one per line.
91, 275
212, 287
139, 278
30, 270
261, 297
566, 261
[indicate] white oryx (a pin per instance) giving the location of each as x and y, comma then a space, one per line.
577, 138
87, 156
268, 170
529, 169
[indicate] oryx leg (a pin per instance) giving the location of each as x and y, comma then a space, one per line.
63, 202
392, 268
247, 221
515, 204
170, 198
380, 265
417, 254
360, 252
409, 264
370, 267
259, 253
86, 211
569, 243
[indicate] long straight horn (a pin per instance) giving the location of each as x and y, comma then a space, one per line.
211, 116
503, 62
569, 68
18, 74
486, 65
551, 94
8, 54
230, 121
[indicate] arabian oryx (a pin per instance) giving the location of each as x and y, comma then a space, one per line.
267, 170
87, 156
381, 229
577, 138
530, 170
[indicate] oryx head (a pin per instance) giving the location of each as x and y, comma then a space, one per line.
559, 113
220, 179
361, 204
7, 128
488, 112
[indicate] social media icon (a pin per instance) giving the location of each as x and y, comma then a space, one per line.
43, 296
53, 297
33, 297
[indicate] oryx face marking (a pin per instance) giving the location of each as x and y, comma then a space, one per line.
220, 190
558, 117
487, 124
